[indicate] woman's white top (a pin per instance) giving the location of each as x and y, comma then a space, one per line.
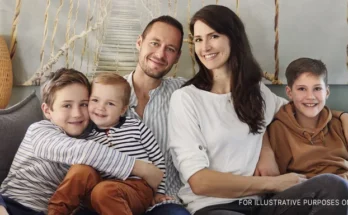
205, 132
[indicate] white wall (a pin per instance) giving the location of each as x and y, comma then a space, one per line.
312, 28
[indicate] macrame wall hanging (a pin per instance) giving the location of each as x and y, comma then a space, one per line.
110, 29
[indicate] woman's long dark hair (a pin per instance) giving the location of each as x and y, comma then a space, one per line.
246, 72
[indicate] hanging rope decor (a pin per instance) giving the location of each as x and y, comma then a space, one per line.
55, 26
73, 43
67, 33
190, 39
276, 43
85, 44
36, 78
173, 13
108, 33
97, 40
42, 51
271, 78
14, 28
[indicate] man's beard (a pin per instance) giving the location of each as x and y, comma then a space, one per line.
155, 75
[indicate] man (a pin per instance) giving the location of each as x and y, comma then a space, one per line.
159, 49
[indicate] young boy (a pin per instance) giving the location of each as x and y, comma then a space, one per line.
50, 147
107, 106
304, 136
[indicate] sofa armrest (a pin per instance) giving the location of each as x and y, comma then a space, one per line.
14, 122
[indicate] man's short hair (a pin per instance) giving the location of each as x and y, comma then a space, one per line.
168, 20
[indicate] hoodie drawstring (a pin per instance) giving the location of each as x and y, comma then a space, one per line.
308, 136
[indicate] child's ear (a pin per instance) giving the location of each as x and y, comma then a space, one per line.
327, 92
124, 110
139, 42
46, 110
288, 92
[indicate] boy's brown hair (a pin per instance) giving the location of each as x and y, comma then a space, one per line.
304, 65
60, 79
110, 78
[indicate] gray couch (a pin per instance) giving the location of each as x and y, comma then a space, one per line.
14, 122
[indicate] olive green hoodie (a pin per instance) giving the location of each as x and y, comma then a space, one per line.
308, 151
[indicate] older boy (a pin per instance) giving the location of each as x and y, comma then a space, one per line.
50, 147
304, 136
107, 106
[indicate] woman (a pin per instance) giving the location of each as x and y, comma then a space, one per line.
216, 124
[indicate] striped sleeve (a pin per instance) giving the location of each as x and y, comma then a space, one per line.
155, 155
49, 143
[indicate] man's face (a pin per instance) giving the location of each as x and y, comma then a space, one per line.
70, 109
159, 50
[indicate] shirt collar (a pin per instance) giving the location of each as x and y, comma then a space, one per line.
118, 125
133, 102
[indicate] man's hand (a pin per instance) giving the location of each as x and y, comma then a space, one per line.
267, 165
149, 172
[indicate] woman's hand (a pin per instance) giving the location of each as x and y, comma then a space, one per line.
286, 181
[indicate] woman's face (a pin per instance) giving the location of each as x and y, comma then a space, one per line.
213, 49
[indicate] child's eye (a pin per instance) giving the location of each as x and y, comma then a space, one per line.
84, 105
318, 89
94, 100
301, 89
67, 106
214, 36
111, 104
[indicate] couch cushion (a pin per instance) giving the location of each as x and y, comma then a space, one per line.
14, 122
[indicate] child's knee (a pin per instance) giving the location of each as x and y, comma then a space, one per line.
107, 190
82, 171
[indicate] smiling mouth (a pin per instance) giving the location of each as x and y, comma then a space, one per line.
158, 62
209, 56
99, 115
310, 105
76, 123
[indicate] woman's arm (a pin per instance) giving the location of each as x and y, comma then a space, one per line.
267, 164
226, 185
187, 145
